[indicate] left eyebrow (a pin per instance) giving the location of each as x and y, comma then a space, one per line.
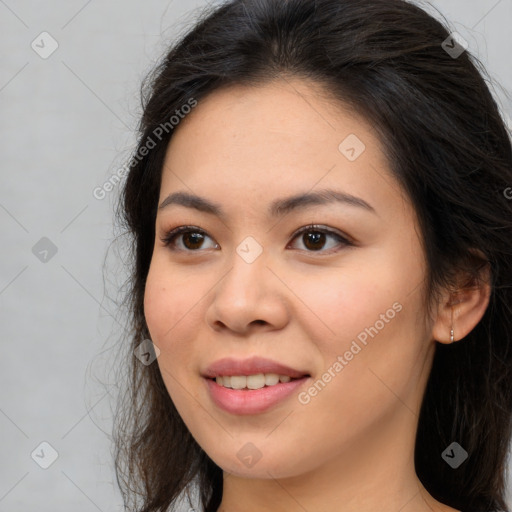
277, 208
325, 196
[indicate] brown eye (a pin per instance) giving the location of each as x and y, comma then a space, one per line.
192, 238
315, 238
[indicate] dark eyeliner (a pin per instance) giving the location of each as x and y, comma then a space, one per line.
344, 240
170, 235
319, 229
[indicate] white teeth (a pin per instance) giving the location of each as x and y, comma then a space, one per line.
255, 381
238, 381
251, 381
271, 379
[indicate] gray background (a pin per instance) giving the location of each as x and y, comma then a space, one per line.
67, 123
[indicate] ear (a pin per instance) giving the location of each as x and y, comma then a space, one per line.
462, 308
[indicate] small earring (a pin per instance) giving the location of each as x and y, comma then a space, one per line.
451, 330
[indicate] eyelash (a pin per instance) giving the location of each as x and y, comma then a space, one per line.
168, 239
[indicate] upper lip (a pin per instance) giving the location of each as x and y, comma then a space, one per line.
251, 366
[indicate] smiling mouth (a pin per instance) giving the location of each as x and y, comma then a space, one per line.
253, 382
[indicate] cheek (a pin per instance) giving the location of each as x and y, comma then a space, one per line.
371, 313
168, 302
168, 310
370, 362
158, 306
342, 304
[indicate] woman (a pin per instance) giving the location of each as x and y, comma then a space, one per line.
322, 264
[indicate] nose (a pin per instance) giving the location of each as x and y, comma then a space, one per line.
249, 296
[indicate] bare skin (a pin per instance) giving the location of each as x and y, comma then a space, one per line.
300, 302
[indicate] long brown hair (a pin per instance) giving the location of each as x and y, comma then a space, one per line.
449, 149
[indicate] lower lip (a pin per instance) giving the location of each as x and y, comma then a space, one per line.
251, 401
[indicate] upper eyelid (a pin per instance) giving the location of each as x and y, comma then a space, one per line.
183, 229
321, 228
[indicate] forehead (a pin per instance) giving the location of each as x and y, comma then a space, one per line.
252, 143
241, 118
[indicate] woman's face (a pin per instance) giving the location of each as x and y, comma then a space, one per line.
345, 311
